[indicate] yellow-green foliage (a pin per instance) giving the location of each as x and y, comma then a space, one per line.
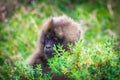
98, 61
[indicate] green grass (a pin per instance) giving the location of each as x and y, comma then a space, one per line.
97, 56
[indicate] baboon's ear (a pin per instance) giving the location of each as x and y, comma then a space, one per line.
51, 22
79, 34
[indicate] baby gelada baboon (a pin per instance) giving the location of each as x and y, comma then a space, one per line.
56, 30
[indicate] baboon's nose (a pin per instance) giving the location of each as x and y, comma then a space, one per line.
48, 47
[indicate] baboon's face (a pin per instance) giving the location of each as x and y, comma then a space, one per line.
51, 40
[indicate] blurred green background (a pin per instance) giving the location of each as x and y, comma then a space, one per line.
21, 21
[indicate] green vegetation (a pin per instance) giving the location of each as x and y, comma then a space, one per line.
95, 57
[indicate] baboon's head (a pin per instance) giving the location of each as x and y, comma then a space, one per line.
58, 30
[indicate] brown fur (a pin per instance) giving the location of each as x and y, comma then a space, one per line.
63, 27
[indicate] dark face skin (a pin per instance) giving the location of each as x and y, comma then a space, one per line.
50, 40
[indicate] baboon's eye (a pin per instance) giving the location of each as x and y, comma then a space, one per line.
47, 36
55, 38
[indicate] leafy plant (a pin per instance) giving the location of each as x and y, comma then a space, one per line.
98, 61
